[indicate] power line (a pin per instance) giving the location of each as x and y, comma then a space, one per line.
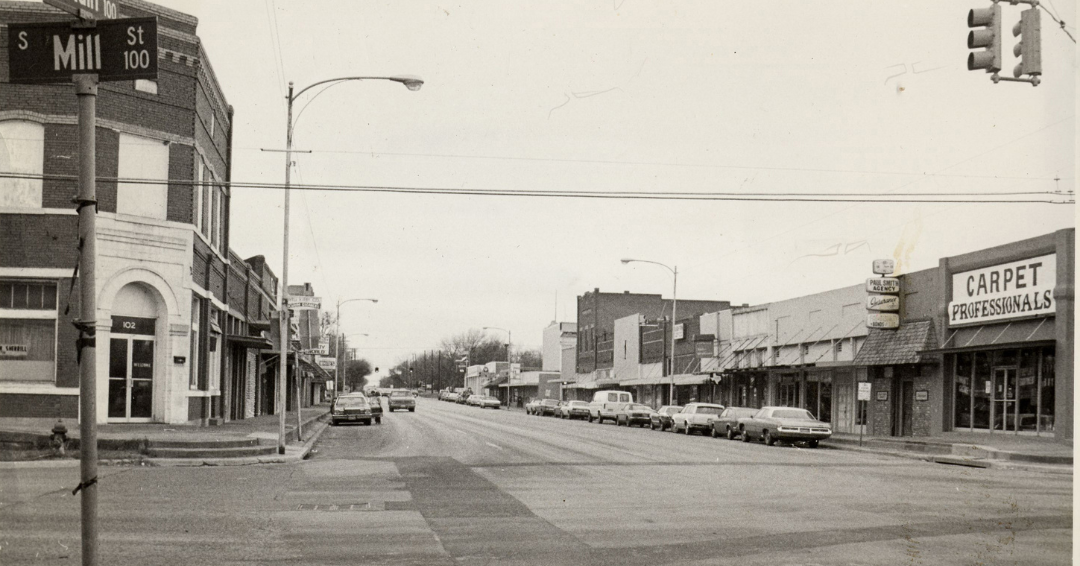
667, 164
1060, 23
621, 195
752, 197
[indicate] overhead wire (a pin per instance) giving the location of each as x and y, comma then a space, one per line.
1061, 23
627, 195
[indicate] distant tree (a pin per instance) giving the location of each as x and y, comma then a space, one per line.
356, 372
531, 359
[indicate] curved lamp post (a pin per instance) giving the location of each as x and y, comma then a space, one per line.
674, 304
410, 82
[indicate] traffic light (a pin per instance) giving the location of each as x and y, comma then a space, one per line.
1029, 49
989, 19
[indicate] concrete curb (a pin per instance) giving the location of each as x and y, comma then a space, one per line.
931, 458
292, 454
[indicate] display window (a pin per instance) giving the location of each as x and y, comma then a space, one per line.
1008, 390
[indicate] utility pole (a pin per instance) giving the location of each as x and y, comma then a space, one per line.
86, 87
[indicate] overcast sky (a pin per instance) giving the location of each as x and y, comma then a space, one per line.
764, 97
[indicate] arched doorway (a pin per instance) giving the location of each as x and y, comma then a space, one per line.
132, 354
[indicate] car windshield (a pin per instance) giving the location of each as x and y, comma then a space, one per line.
638, 408
578, 404
671, 410
795, 414
550, 402
400, 394
737, 412
351, 402
709, 410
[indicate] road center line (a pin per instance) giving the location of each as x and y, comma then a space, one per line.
493, 445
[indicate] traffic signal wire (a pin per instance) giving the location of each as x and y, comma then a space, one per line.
1060, 23
864, 197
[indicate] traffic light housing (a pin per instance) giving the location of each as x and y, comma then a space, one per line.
988, 37
1029, 50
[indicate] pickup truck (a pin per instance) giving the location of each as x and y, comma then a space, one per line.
695, 416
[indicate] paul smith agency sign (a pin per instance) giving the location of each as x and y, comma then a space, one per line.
1018, 289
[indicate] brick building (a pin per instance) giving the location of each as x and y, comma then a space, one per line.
180, 317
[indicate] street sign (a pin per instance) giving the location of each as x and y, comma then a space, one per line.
883, 285
884, 266
882, 320
115, 50
864, 391
301, 302
87, 9
883, 303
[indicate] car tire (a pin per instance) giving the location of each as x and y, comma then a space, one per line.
769, 440
712, 432
812, 443
652, 425
333, 422
412, 410
730, 434
745, 436
378, 421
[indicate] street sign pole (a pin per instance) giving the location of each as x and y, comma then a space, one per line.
86, 90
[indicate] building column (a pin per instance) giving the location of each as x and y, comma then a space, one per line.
1063, 328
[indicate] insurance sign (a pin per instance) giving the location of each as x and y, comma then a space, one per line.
1018, 289
114, 50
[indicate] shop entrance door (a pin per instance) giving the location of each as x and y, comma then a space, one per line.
907, 406
131, 379
1003, 408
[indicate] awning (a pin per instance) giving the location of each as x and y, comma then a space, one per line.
253, 342
894, 347
321, 375
691, 379
1015, 334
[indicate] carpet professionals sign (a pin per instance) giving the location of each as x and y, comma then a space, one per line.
1017, 289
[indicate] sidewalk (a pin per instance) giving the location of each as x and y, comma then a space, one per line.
981, 450
235, 442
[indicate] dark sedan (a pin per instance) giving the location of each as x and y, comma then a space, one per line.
634, 414
770, 424
354, 408
661, 419
547, 407
727, 424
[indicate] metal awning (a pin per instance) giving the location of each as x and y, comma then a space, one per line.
1016, 334
253, 342
691, 379
321, 375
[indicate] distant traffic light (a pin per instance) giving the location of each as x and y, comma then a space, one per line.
1029, 49
989, 37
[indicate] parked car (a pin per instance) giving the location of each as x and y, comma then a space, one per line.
463, 397
634, 414
354, 408
661, 419
547, 407
451, 396
695, 416
727, 424
602, 406
770, 424
574, 410
532, 407
484, 401
401, 399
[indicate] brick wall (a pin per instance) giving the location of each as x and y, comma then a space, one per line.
40, 406
38, 240
881, 412
67, 368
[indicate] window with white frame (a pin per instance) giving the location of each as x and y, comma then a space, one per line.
196, 309
143, 158
27, 331
22, 151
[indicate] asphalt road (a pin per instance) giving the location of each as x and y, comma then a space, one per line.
451, 484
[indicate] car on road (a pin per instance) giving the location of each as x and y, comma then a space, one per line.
463, 397
354, 408
604, 404
547, 407
532, 407
401, 399
484, 401
791, 424
695, 416
634, 414
451, 396
727, 424
661, 419
574, 410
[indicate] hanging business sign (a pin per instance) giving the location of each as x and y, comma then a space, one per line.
301, 302
884, 266
882, 320
883, 303
326, 362
680, 331
1018, 289
883, 285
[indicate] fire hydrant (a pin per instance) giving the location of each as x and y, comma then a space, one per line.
59, 437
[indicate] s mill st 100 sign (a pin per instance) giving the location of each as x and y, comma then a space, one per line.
88, 9
114, 50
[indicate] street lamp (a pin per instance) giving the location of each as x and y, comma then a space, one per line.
338, 386
674, 303
509, 366
410, 82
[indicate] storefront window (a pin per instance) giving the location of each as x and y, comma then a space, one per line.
981, 389
962, 383
27, 331
1046, 385
1027, 394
